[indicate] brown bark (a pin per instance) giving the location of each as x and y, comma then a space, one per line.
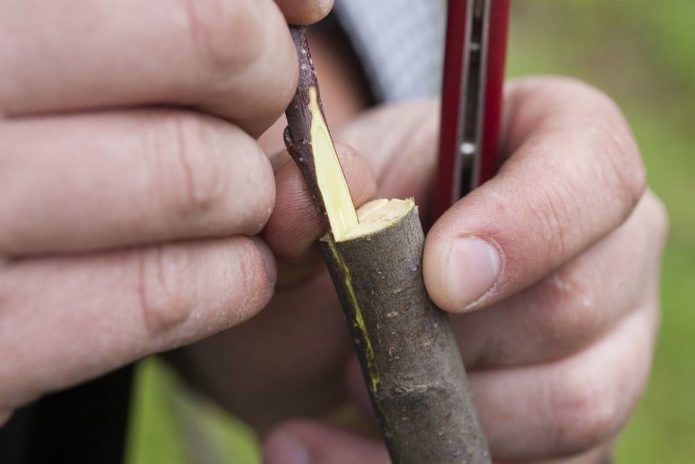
408, 352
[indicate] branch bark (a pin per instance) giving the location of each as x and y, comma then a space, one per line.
407, 349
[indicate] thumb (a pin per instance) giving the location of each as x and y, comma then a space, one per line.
573, 176
304, 442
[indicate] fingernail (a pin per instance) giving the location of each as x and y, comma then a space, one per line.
322, 8
269, 266
472, 269
284, 448
326, 5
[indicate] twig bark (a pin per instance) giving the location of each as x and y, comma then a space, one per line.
407, 349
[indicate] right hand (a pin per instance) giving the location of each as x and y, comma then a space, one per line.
131, 183
557, 356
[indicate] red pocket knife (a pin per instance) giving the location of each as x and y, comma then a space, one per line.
476, 43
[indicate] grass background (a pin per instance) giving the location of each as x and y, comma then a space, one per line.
642, 52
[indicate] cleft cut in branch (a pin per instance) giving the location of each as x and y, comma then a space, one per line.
409, 356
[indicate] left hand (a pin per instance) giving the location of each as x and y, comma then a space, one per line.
554, 299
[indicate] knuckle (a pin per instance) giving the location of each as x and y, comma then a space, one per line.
584, 414
625, 163
226, 35
273, 91
569, 316
614, 145
197, 173
201, 185
162, 289
615, 142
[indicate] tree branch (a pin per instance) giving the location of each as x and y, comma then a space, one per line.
407, 349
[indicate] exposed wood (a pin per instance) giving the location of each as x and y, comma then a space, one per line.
406, 347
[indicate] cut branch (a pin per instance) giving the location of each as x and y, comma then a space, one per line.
407, 349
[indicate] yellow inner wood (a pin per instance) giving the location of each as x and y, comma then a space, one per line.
329, 174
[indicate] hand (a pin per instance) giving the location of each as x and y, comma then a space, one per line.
556, 317
131, 183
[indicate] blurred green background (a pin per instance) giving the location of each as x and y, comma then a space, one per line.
641, 52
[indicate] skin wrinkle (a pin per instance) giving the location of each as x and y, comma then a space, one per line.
201, 172
273, 97
551, 216
631, 183
216, 26
162, 305
249, 275
177, 158
182, 150
154, 145
605, 131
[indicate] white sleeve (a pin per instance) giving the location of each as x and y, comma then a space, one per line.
400, 43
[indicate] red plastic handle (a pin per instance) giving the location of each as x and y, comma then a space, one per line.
452, 98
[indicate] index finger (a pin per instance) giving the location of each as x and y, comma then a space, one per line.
232, 58
575, 174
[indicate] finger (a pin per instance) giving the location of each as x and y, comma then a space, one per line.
313, 443
67, 319
574, 306
304, 12
400, 143
575, 177
99, 180
234, 58
565, 408
298, 341
295, 223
